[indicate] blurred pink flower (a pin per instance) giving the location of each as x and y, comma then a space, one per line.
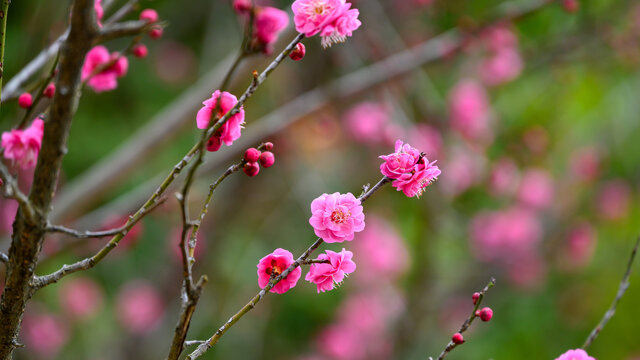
334, 20
501, 67
500, 37
99, 11
342, 342
464, 168
269, 22
386, 255
45, 334
230, 131
469, 110
585, 163
504, 235
23, 146
80, 297
428, 139
402, 161
580, 246
613, 201
275, 264
139, 307
366, 121
371, 312
504, 178
326, 275
336, 217
577, 354
106, 79
536, 189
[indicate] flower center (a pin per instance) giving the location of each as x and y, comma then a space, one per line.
339, 217
274, 270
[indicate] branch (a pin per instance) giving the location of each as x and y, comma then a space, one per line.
469, 320
624, 284
4, 258
202, 348
104, 233
4, 12
127, 28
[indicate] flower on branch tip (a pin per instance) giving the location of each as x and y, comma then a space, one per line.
336, 217
411, 171
106, 78
577, 354
275, 264
231, 129
23, 146
327, 275
334, 20
268, 24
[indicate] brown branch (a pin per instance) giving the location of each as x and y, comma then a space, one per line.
4, 258
11, 190
202, 348
4, 12
315, 261
123, 29
28, 234
624, 285
451, 345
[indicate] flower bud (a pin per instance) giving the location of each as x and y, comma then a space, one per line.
251, 168
214, 144
25, 100
486, 314
475, 297
457, 338
268, 146
267, 159
149, 15
49, 91
140, 51
156, 32
570, 6
252, 155
298, 53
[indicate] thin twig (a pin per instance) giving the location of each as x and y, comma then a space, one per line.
451, 345
11, 190
202, 348
315, 261
4, 12
39, 94
624, 284
194, 342
4, 258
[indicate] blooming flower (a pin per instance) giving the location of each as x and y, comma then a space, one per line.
334, 20
106, 79
577, 354
401, 161
23, 146
268, 24
230, 130
413, 183
336, 217
325, 275
275, 264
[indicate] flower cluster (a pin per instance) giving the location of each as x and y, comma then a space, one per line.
102, 69
23, 146
334, 20
411, 171
230, 130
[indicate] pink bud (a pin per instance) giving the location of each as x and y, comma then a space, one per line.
25, 100
156, 32
149, 15
49, 91
457, 338
140, 51
214, 144
268, 146
252, 155
486, 314
298, 53
475, 297
477, 313
251, 168
570, 6
267, 159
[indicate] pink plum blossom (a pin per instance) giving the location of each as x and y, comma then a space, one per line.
402, 161
336, 217
411, 172
503, 66
469, 110
364, 122
326, 275
536, 189
80, 297
106, 79
613, 200
269, 23
23, 146
275, 264
230, 130
577, 354
139, 307
45, 334
334, 20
